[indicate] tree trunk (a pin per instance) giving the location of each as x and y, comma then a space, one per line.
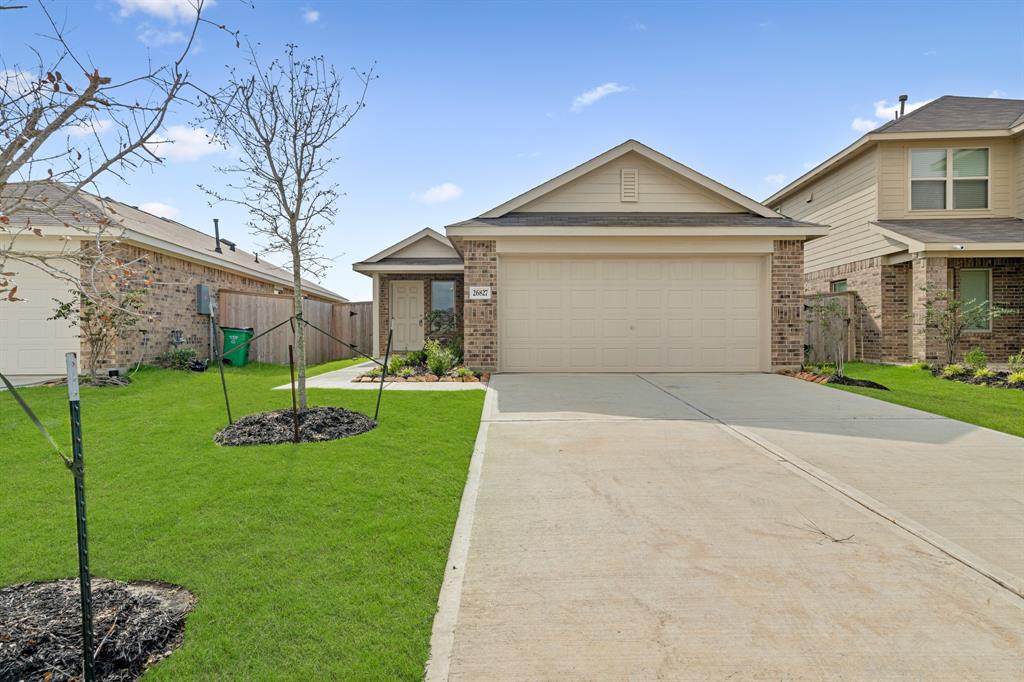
300, 327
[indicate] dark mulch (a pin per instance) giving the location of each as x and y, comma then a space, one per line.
315, 424
134, 626
997, 380
848, 381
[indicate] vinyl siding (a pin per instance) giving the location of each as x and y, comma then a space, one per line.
846, 201
1018, 171
427, 247
659, 191
893, 183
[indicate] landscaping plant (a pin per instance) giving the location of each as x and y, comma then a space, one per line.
954, 370
976, 358
176, 358
102, 319
1016, 378
951, 316
830, 313
282, 119
1016, 362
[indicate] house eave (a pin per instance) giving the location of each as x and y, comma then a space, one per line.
370, 268
610, 231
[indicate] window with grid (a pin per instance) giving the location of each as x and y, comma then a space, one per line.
948, 178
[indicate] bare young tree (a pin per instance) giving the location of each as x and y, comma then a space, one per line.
65, 124
283, 120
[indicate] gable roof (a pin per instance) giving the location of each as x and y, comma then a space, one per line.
151, 231
942, 117
392, 259
951, 112
616, 152
425, 233
644, 219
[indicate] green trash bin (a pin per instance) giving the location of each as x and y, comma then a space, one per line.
236, 350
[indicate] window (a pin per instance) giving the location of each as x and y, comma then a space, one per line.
838, 286
442, 297
948, 178
976, 290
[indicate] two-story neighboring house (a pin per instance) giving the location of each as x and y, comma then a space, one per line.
932, 200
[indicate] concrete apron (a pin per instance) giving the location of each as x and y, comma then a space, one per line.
620, 533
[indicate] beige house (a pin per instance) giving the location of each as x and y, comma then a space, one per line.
629, 262
180, 259
934, 199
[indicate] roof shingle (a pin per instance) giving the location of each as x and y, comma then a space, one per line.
951, 112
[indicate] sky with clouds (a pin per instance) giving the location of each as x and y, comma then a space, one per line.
478, 102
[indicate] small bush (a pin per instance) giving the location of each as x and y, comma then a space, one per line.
375, 372
463, 372
1016, 362
920, 365
405, 371
416, 357
954, 370
828, 369
441, 361
976, 358
176, 358
1016, 379
396, 363
983, 373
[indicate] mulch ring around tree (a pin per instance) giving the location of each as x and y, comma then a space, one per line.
315, 425
836, 379
134, 626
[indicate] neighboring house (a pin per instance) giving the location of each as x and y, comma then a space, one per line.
180, 258
934, 199
628, 262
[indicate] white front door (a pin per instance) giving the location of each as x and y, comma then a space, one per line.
593, 314
407, 315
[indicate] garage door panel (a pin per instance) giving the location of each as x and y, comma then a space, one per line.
591, 314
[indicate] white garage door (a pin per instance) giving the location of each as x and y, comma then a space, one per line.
592, 314
32, 347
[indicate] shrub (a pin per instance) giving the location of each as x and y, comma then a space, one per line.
920, 365
1016, 362
463, 372
177, 358
1016, 378
954, 370
405, 371
441, 361
983, 373
396, 363
416, 357
976, 358
828, 369
375, 372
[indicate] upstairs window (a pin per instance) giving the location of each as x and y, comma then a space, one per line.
948, 178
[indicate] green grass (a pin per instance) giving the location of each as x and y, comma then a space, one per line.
996, 408
313, 561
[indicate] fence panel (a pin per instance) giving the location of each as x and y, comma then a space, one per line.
815, 337
263, 311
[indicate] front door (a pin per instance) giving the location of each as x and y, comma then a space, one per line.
407, 315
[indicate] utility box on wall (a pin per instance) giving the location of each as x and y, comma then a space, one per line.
203, 299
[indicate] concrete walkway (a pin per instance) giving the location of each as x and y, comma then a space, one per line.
342, 378
675, 527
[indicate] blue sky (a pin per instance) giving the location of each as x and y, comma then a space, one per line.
477, 102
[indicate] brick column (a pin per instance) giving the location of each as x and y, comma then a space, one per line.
929, 273
895, 312
787, 330
480, 341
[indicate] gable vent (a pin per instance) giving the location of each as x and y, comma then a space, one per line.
630, 188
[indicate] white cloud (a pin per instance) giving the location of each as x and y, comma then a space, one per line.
17, 82
181, 143
311, 16
156, 37
171, 10
437, 194
157, 208
89, 127
775, 179
998, 94
863, 125
595, 94
929, 53
886, 111
639, 26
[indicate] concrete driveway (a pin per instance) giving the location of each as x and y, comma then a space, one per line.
730, 527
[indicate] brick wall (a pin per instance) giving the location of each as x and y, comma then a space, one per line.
480, 341
787, 304
170, 304
384, 296
929, 273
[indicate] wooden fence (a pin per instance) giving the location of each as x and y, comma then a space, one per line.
351, 322
815, 336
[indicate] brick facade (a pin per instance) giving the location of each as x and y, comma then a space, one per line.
480, 336
383, 295
891, 306
787, 314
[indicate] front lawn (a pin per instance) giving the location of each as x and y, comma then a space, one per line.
313, 561
996, 408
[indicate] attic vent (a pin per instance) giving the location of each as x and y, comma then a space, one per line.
630, 189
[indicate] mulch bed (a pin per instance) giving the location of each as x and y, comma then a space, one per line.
997, 380
315, 425
134, 625
836, 379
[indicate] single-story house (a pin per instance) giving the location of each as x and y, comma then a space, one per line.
180, 259
629, 262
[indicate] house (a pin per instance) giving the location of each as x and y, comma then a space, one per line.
931, 200
180, 258
629, 262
